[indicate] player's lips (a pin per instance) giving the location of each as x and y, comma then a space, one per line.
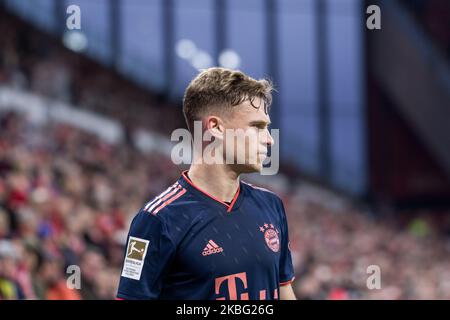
263, 153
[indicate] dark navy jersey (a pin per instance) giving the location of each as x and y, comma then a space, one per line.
186, 244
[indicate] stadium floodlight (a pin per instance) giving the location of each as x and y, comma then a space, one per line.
229, 59
186, 49
75, 41
201, 60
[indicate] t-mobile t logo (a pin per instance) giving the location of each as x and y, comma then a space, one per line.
232, 281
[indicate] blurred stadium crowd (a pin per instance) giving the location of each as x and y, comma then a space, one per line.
67, 197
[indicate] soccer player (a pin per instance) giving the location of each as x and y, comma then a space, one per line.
211, 235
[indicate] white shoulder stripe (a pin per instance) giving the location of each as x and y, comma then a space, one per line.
258, 188
160, 196
161, 199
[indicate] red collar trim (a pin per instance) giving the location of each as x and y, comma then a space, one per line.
229, 206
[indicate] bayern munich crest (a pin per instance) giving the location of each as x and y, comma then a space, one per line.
271, 236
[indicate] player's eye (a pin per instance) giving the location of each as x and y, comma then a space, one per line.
260, 126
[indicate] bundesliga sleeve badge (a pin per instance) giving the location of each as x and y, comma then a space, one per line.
134, 258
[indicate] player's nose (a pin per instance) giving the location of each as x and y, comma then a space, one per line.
268, 139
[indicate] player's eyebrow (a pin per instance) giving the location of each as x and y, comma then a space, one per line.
260, 123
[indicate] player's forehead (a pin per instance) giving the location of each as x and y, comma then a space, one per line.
252, 111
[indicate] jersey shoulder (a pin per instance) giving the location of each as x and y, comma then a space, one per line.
261, 192
165, 199
264, 195
174, 209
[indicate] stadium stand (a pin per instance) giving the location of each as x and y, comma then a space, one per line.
67, 198
67, 194
434, 17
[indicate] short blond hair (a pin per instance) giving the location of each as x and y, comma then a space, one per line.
221, 89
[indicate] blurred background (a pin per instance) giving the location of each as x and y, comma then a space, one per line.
86, 116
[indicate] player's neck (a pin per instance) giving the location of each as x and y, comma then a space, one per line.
217, 180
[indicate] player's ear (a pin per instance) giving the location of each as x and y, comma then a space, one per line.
215, 126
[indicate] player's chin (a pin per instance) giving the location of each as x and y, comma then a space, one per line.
251, 168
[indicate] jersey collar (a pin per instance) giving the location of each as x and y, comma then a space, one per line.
235, 202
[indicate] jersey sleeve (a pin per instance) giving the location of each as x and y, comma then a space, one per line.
148, 255
286, 266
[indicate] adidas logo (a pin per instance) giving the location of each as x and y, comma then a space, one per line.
211, 248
